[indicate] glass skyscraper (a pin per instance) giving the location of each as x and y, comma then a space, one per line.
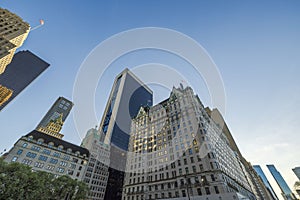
128, 94
286, 191
24, 68
296, 170
263, 177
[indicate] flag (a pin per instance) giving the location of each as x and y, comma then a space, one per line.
42, 22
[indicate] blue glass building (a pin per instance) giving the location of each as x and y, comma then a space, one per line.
296, 170
264, 179
286, 191
128, 94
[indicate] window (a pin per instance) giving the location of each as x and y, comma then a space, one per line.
199, 191
40, 141
183, 193
27, 162
192, 159
201, 167
187, 170
66, 157
43, 158
212, 178
207, 190
60, 170
216, 189
50, 167
14, 159
39, 165
31, 155
50, 144
53, 161
56, 154
46, 151
180, 171
72, 166
35, 148
19, 151
194, 169
25, 145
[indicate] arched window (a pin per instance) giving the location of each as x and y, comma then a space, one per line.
50, 144
40, 141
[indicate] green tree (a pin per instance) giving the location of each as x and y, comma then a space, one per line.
19, 182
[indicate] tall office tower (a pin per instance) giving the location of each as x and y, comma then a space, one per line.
177, 151
96, 174
264, 179
259, 189
13, 32
286, 191
127, 95
24, 68
296, 170
54, 119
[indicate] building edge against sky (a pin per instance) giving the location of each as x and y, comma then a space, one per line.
156, 172
287, 193
24, 67
296, 171
265, 180
128, 93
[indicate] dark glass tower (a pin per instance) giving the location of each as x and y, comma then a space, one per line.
128, 94
286, 191
62, 106
23, 69
263, 177
296, 170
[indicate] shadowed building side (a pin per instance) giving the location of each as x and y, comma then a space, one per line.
24, 68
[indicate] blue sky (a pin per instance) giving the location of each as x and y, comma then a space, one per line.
255, 45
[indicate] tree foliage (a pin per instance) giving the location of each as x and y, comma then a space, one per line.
19, 182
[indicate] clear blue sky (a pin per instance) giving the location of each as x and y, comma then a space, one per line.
255, 45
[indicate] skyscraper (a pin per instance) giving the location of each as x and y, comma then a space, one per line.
13, 32
127, 95
296, 170
24, 68
286, 191
53, 121
177, 151
96, 174
263, 177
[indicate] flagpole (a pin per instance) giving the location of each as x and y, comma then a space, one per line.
38, 26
